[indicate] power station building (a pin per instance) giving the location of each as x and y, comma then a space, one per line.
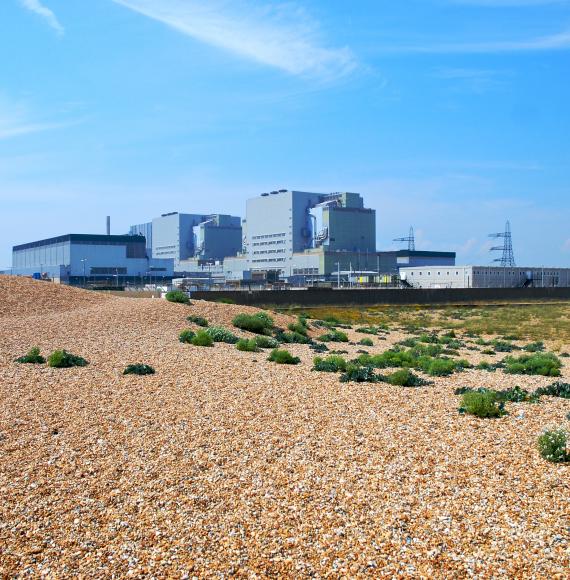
90, 258
437, 276
192, 239
301, 236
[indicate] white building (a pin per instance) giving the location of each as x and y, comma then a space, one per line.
484, 277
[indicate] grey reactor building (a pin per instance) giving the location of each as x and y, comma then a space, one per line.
292, 236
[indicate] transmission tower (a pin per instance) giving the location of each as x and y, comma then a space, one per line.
410, 239
507, 258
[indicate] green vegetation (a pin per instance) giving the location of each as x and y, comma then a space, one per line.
283, 357
291, 337
539, 322
186, 336
266, 342
333, 336
545, 364
198, 320
259, 323
557, 389
330, 364
359, 374
366, 342
483, 404
247, 345
537, 346
139, 369
221, 334
33, 357
225, 301
319, 347
512, 395
405, 378
552, 446
177, 296
61, 359
202, 338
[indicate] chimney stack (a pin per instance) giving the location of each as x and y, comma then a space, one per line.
108, 225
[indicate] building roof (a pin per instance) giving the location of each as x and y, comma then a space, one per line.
94, 239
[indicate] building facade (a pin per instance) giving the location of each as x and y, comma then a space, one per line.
90, 258
431, 276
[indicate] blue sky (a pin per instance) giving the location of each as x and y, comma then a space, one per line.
448, 115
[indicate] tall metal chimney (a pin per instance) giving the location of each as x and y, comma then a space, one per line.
108, 225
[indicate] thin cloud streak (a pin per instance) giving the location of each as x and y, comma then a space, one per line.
553, 42
48, 15
281, 36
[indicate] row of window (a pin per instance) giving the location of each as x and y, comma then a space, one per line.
266, 237
305, 271
258, 252
269, 260
276, 242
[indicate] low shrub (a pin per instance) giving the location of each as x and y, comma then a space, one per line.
486, 366
291, 337
503, 345
221, 334
438, 367
139, 369
61, 359
225, 301
202, 338
266, 342
198, 320
482, 404
33, 357
405, 378
334, 336
488, 351
534, 347
557, 389
319, 347
330, 364
283, 357
359, 374
552, 446
367, 330
186, 336
177, 296
545, 364
247, 345
518, 395
259, 323
298, 328
366, 342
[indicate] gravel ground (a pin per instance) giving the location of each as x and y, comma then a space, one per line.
225, 464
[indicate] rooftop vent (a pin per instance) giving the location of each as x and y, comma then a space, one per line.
282, 191
274, 192
264, 194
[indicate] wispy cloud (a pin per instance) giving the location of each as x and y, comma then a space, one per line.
278, 35
475, 80
38, 8
16, 121
509, 3
553, 42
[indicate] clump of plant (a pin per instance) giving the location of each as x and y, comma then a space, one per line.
225, 301
202, 338
221, 334
139, 369
486, 366
488, 351
534, 347
367, 330
177, 296
300, 327
259, 323
319, 347
503, 345
266, 341
32, 357
557, 389
405, 378
283, 357
518, 395
333, 336
366, 342
359, 374
553, 446
186, 336
545, 364
198, 320
484, 404
438, 367
330, 364
61, 359
247, 345
291, 337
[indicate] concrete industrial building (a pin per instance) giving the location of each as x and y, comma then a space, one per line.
302, 236
192, 238
90, 258
438, 276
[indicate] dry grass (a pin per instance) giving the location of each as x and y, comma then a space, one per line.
223, 463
